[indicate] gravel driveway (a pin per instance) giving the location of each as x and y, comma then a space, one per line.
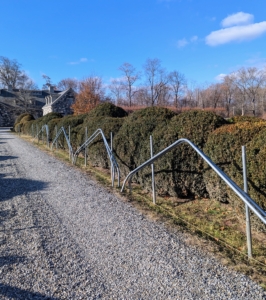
62, 236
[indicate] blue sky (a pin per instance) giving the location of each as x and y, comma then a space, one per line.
199, 38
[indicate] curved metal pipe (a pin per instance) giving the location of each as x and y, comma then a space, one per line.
109, 152
62, 129
243, 196
47, 133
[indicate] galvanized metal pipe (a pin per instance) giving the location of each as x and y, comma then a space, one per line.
152, 174
69, 142
109, 152
47, 133
248, 225
85, 150
56, 145
62, 130
112, 169
243, 196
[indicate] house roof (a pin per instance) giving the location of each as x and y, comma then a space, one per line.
60, 96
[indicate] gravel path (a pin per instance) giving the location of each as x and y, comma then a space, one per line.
62, 236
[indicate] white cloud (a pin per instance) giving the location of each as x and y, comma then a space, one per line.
182, 43
220, 77
239, 18
81, 60
236, 34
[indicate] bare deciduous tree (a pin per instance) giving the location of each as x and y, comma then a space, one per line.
67, 83
228, 91
10, 72
249, 82
117, 88
130, 77
177, 83
156, 79
25, 96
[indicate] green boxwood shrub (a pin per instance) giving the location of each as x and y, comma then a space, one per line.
132, 142
224, 148
27, 128
96, 152
107, 110
256, 175
73, 122
238, 119
21, 120
180, 172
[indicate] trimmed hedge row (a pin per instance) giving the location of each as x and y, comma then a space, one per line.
181, 172
223, 146
132, 142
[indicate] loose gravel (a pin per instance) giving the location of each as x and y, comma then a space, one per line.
62, 236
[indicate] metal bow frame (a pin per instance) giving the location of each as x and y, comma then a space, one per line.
114, 165
257, 210
62, 130
46, 129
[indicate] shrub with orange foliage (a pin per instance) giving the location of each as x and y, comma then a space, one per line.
90, 95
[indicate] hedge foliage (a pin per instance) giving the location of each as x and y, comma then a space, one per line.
224, 148
21, 120
256, 168
132, 142
181, 172
238, 119
107, 110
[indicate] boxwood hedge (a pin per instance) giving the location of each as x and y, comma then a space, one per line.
132, 142
224, 148
180, 173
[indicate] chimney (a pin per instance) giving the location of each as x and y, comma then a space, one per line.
51, 89
9, 88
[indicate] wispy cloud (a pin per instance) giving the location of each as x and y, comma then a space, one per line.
243, 30
193, 39
81, 60
184, 42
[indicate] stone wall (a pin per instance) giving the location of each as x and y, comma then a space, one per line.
64, 107
9, 113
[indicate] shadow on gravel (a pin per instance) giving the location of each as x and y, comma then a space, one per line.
9, 260
11, 187
17, 293
2, 158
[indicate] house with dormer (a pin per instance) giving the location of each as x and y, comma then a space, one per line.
59, 102
14, 102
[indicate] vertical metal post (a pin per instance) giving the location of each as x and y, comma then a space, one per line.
152, 174
32, 130
69, 141
56, 144
248, 229
38, 133
42, 134
85, 150
47, 133
112, 169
